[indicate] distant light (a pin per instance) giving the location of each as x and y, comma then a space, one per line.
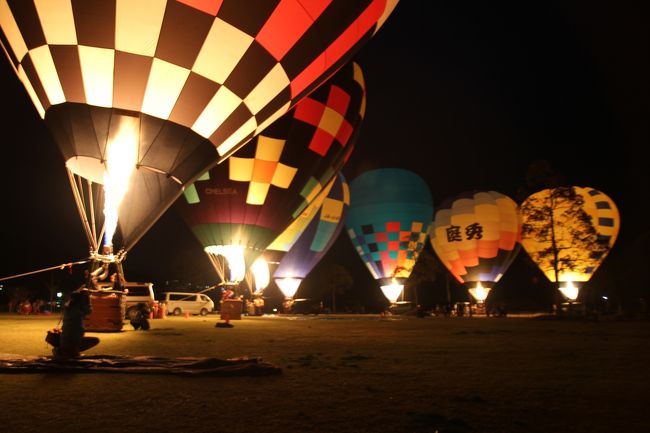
605, 298
275, 310
59, 294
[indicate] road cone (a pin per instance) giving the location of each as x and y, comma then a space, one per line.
186, 314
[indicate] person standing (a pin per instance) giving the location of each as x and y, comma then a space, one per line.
117, 281
227, 295
258, 302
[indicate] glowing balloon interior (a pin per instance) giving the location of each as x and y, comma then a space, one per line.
228, 257
580, 224
315, 240
261, 275
479, 292
288, 286
392, 291
570, 290
121, 159
475, 235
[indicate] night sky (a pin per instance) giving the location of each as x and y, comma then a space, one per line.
465, 96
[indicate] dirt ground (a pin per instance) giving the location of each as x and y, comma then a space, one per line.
347, 374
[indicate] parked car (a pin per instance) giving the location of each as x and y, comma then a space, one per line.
186, 302
403, 307
306, 306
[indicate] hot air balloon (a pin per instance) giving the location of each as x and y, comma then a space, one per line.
314, 240
139, 94
261, 270
238, 208
388, 218
568, 232
475, 236
258, 276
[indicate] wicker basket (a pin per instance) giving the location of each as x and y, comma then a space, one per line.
108, 312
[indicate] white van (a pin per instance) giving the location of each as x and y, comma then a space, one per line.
184, 302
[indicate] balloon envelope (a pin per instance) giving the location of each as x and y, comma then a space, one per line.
283, 243
319, 235
388, 218
254, 196
168, 157
184, 76
475, 235
582, 222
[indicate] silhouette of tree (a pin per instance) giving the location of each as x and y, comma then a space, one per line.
53, 285
425, 270
559, 221
336, 281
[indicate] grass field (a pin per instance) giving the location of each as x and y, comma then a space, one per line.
347, 374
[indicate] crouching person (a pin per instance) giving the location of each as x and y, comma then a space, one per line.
140, 319
72, 339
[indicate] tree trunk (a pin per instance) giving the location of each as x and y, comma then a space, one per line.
447, 288
555, 250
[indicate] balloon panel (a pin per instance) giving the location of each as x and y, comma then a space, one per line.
476, 235
290, 235
254, 196
321, 233
585, 226
286, 240
224, 70
389, 215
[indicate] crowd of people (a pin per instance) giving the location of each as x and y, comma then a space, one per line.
26, 306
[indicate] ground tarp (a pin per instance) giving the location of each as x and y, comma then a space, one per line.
16, 364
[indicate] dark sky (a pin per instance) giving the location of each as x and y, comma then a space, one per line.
465, 95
